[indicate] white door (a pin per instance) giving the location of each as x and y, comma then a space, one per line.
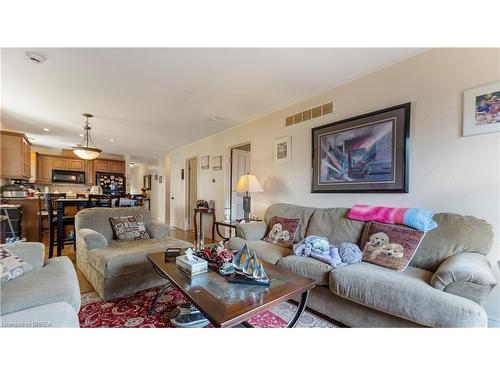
176, 196
240, 166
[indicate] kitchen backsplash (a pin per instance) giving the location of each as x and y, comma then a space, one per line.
64, 188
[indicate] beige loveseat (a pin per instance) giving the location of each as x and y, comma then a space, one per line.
118, 268
448, 280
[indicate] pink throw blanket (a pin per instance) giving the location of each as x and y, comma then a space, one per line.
413, 217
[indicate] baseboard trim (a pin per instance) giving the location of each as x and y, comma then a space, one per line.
493, 322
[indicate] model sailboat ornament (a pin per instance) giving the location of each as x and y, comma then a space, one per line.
248, 268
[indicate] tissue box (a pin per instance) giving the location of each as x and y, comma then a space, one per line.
194, 267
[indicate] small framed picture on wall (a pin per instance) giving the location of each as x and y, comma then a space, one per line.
482, 110
283, 149
217, 163
205, 162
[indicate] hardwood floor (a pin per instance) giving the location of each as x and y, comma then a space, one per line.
85, 286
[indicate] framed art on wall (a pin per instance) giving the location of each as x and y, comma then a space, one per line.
482, 110
205, 162
283, 149
363, 154
217, 163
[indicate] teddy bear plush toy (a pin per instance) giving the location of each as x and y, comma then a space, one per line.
335, 255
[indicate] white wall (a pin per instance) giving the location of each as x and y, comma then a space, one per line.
158, 189
137, 173
448, 173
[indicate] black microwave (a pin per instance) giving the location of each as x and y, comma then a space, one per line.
68, 177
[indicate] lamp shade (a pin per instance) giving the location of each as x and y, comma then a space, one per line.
87, 153
248, 183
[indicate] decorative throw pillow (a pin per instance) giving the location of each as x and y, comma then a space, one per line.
129, 227
282, 231
390, 246
12, 266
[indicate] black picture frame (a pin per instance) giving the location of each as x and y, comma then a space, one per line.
395, 180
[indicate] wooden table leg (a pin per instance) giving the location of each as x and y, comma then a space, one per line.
195, 228
213, 225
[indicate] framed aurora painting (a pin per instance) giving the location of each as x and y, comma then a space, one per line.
363, 154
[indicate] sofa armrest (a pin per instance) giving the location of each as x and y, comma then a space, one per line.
31, 252
252, 231
158, 230
92, 239
466, 275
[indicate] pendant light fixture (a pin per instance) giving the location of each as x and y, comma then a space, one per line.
87, 149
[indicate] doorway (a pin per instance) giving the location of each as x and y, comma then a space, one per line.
176, 206
240, 165
192, 189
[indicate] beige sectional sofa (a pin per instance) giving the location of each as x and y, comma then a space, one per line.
445, 285
119, 268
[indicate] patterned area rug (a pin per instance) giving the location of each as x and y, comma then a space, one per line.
132, 311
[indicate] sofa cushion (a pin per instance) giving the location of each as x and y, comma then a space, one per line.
31, 252
390, 246
97, 218
405, 294
92, 239
11, 265
282, 231
333, 224
308, 267
54, 282
53, 315
293, 212
455, 234
126, 228
127, 257
264, 250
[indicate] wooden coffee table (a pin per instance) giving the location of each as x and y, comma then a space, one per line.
228, 305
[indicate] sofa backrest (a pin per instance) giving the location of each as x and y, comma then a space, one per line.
98, 218
293, 212
455, 234
334, 224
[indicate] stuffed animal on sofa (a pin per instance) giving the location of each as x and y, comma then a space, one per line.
335, 255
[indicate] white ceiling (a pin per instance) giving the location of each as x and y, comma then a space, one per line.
157, 99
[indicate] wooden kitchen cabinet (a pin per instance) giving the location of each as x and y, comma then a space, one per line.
101, 165
15, 152
46, 163
43, 169
117, 167
77, 165
60, 164
109, 166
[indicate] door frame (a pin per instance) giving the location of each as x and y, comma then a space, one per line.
187, 214
229, 165
181, 191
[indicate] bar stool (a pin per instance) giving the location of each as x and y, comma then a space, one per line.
43, 218
52, 218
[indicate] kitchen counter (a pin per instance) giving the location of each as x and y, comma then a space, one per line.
31, 224
20, 199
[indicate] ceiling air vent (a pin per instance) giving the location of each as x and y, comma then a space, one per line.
309, 114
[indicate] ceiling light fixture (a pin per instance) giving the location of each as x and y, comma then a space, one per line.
46, 129
87, 149
111, 140
34, 57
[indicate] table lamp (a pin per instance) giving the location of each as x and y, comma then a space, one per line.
247, 184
